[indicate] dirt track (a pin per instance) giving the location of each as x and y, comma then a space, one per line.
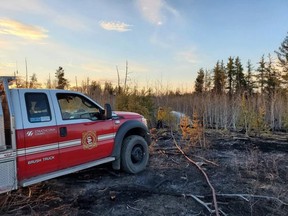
250, 177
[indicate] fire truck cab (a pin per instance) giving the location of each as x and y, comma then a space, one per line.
48, 133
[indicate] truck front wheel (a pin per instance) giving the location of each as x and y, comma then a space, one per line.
134, 154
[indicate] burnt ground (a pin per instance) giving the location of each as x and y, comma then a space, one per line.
249, 175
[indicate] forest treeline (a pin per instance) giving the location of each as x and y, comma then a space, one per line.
233, 96
237, 97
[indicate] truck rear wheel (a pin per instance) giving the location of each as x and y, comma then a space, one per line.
134, 154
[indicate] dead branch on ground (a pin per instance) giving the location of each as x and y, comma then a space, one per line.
246, 197
203, 172
208, 161
205, 204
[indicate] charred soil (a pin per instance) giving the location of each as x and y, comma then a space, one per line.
249, 176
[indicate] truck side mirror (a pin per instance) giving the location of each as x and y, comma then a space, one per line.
108, 111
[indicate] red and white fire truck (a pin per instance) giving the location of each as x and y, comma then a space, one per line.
48, 133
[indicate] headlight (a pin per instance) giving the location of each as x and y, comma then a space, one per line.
144, 120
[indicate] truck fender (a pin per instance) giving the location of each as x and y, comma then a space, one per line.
131, 127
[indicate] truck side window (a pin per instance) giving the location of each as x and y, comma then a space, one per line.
38, 109
74, 106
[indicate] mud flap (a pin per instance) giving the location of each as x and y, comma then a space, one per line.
116, 165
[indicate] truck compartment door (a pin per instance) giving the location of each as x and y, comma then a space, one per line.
8, 179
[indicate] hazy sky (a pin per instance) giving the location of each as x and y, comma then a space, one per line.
164, 41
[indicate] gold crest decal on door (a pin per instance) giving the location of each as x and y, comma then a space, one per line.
89, 140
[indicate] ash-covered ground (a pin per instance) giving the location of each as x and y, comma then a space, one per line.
249, 176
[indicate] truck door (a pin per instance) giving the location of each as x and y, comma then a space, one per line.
39, 153
83, 135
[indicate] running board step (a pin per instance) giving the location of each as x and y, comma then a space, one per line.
55, 174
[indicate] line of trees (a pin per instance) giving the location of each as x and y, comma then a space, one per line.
229, 96
231, 78
120, 97
59, 83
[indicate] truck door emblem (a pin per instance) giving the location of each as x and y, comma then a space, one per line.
89, 140
29, 133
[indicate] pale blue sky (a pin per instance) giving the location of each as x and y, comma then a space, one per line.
164, 42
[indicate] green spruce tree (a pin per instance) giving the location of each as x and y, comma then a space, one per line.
261, 74
282, 55
62, 82
230, 70
273, 79
34, 81
240, 82
219, 78
250, 83
199, 83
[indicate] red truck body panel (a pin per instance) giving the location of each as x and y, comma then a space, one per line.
40, 152
86, 142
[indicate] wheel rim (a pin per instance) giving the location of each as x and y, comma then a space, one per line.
137, 154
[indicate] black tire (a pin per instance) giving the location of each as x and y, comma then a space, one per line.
134, 154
